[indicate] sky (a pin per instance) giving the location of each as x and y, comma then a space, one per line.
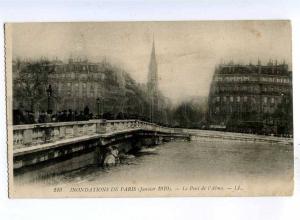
187, 52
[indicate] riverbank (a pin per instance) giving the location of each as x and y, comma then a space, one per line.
220, 135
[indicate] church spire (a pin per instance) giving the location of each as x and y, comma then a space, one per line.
153, 47
152, 84
152, 72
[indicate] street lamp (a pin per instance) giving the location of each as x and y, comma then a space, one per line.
98, 107
102, 106
49, 94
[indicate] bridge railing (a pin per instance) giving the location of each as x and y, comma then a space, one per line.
35, 134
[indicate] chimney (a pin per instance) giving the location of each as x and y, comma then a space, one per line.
259, 66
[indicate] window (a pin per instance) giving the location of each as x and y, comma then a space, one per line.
76, 89
60, 88
265, 100
265, 110
238, 99
245, 98
246, 78
92, 91
219, 78
287, 101
98, 90
69, 89
224, 99
84, 89
272, 100
231, 98
218, 99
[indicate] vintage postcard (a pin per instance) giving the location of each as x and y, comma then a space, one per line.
147, 109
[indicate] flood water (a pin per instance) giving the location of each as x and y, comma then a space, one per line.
196, 162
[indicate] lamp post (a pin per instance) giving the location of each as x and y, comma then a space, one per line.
102, 106
49, 94
98, 107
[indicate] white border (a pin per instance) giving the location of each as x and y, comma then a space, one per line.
159, 208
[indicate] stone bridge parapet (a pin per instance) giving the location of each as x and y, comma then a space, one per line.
38, 134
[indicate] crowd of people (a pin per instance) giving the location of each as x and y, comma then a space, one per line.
29, 117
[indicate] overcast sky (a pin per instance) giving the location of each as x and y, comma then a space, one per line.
187, 52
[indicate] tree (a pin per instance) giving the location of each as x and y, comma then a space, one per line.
284, 115
188, 115
32, 82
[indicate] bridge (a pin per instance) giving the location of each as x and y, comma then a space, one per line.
39, 143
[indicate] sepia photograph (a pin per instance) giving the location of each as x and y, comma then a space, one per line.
149, 109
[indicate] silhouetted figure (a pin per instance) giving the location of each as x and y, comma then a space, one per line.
120, 115
42, 117
107, 115
76, 116
81, 116
64, 116
31, 118
16, 117
86, 112
70, 115
59, 116
48, 118
54, 117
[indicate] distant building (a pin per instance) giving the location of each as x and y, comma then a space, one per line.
251, 98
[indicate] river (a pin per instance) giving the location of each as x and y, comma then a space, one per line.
250, 165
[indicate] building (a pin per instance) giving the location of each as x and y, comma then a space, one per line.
75, 84
251, 98
55, 86
80, 83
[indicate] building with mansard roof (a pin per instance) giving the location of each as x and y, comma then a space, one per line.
79, 83
251, 98
76, 84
